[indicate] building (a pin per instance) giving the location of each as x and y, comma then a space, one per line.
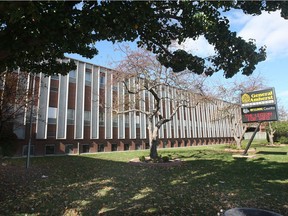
69, 119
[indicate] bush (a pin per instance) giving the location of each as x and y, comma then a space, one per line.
165, 159
142, 158
283, 140
281, 128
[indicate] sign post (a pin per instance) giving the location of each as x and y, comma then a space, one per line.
258, 106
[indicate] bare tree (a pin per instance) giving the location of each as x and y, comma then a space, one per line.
149, 87
230, 92
15, 96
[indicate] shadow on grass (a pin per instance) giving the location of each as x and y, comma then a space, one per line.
272, 152
81, 185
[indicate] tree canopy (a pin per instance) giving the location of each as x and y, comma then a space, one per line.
35, 35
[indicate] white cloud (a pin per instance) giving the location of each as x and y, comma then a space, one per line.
268, 29
199, 47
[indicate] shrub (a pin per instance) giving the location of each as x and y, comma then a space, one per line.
165, 159
283, 140
281, 128
142, 158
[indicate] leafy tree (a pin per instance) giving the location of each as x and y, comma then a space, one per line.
271, 127
155, 92
36, 34
280, 129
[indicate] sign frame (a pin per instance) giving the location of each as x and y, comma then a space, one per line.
259, 106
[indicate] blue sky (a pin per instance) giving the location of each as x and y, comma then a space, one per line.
267, 29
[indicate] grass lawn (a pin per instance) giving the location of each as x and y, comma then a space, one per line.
105, 184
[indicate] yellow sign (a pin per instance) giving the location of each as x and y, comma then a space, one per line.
257, 98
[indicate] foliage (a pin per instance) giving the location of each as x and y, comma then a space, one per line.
165, 159
142, 158
283, 139
35, 34
105, 184
281, 131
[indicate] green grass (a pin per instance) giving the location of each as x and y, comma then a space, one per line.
105, 184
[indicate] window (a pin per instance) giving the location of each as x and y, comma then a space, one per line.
70, 116
126, 120
69, 149
138, 146
101, 118
72, 76
102, 81
126, 147
52, 114
55, 76
25, 150
114, 147
115, 120
87, 117
85, 148
101, 148
88, 77
49, 149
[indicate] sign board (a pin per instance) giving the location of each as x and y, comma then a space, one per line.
259, 106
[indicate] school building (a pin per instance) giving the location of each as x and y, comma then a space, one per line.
68, 117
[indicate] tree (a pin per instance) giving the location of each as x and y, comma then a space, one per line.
35, 35
280, 133
154, 91
231, 92
271, 128
15, 97
270, 132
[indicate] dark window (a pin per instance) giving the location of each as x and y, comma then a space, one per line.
25, 150
126, 147
51, 121
69, 148
114, 147
101, 148
138, 146
85, 148
49, 149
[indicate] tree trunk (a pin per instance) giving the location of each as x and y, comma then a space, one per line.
153, 149
238, 142
271, 136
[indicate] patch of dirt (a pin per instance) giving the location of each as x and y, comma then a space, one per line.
150, 163
239, 150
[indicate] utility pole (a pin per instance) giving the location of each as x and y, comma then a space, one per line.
32, 77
